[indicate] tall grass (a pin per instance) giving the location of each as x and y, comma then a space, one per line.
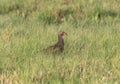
91, 54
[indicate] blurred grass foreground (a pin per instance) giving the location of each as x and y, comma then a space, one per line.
92, 47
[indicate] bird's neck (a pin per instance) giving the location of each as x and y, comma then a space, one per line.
60, 39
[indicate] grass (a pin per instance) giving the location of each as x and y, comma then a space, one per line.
91, 54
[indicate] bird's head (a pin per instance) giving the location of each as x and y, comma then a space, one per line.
62, 33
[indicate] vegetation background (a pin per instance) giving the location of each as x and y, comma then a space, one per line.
92, 47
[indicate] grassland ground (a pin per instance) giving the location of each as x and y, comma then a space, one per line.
92, 47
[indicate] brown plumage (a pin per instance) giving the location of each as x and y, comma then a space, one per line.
58, 47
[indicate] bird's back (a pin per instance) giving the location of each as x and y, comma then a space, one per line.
54, 49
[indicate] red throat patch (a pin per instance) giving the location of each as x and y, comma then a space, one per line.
63, 33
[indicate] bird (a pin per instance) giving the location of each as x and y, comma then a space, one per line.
59, 46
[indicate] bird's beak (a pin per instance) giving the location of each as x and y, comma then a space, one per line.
66, 34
